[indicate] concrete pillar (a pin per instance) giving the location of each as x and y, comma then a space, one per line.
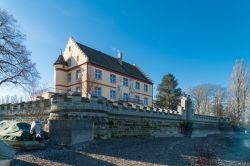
187, 112
76, 97
70, 131
57, 98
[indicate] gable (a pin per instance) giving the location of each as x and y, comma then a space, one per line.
73, 52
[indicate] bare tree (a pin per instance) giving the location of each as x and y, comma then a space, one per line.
20, 99
218, 102
238, 91
207, 99
2, 100
91, 83
5, 99
13, 99
16, 67
90, 80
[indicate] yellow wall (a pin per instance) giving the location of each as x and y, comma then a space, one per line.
106, 86
42, 95
72, 51
78, 58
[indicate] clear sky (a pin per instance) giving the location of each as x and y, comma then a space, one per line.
197, 41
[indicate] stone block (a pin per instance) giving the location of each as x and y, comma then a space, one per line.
69, 132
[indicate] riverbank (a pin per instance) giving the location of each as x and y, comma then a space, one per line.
213, 150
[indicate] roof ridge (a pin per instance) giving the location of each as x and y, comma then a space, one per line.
110, 62
96, 50
103, 53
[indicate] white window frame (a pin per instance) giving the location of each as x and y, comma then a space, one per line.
112, 78
137, 85
98, 91
145, 88
112, 94
137, 99
145, 101
98, 74
125, 98
78, 74
125, 82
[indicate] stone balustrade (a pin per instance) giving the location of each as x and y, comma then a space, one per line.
26, 111
61, 103
76, 119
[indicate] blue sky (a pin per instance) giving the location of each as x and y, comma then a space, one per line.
197, 41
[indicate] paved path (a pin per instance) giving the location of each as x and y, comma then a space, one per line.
217, 150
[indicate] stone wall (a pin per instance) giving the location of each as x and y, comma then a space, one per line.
116, 119
73, 119
27, 111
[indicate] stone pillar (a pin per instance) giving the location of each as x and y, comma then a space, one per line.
187, 112
57, 98
67, 132
76, 97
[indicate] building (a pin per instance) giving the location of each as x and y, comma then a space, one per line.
91, 72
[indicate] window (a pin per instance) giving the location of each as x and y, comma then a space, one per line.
69, 77
145, 87
98, 91
145, 101
77, 58
112, 78
98, 74
125, 82
78, 74
137, 99
68, 90
125, 96
69, 48
137, 85
112, 94
78, 89
69, 62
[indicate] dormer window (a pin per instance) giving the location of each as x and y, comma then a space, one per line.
69, 48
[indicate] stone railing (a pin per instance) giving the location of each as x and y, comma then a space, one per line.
84, 119
63, 102
26, 111
206, 118
75, 103
73, 119
27, 107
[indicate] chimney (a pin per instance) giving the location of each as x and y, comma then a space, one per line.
120, 57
